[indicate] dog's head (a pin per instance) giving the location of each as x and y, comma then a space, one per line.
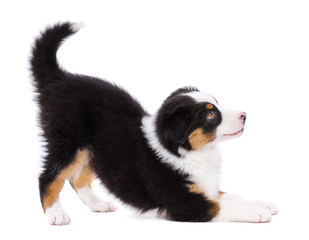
190, 119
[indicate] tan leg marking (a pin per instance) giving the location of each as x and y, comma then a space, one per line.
85, 178
215, 209
53, 190
195, 189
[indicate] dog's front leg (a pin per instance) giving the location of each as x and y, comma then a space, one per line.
236, 209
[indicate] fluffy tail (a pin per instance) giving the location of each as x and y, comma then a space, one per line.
44, 66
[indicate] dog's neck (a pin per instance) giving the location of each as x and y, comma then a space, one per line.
149, 130
203, 165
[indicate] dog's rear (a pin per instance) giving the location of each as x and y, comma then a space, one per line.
64, 119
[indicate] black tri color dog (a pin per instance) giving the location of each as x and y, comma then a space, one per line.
168, 161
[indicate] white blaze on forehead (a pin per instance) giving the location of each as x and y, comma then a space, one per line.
202, 97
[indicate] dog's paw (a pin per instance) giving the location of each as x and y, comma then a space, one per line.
102, 207
56, 215
57, 218
257, 215
231, 211
267, 205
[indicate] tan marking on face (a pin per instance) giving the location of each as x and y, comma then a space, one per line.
198, 138
52, 193
209, 106
194, 188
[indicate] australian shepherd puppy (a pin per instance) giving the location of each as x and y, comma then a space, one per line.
168, 161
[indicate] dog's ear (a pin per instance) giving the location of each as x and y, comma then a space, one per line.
177, 129
173, 123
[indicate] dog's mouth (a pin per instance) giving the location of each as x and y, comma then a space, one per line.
234, 134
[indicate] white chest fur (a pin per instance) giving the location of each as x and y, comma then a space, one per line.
204, 167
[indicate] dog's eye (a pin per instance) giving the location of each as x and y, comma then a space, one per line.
211, 115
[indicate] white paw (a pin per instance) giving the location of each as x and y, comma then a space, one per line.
102, 207
257, 215
87, 195
270, 206
57, 217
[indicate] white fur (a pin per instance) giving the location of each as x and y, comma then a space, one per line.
56, 215
148, 127
266, 205
233, 211
202, 97
87, 195
204, 167
77, 26
236, 209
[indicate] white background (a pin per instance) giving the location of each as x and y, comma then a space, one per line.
251, 55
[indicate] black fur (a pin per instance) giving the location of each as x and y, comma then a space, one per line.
78, 112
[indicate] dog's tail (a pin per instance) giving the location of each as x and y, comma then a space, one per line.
44, 66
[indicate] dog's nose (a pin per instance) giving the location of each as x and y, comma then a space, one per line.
243, 116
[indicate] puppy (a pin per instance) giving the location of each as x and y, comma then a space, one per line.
168, 161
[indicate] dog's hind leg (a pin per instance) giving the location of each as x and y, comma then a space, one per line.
59, 166
81, 183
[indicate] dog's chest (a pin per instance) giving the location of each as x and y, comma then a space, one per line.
204, 168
